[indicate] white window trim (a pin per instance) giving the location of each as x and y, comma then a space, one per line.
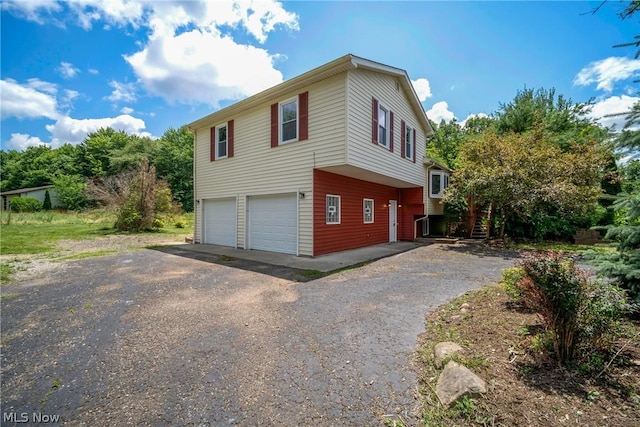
387, 129
339, 208
444, 183
280, 117
218, 156
364, 213
408, 129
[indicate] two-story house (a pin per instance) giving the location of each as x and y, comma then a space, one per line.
327, 161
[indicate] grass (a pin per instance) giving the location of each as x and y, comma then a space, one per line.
37, 233
560, 246
83, 255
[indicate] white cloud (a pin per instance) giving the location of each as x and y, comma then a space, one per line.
182, 68
74, 131
93, 71
27, 101
67, 70
42, 86
122, 92
21, 141
31, 10
440, 111
422, 88
607, 111
606, 72
126, 110
114, 12
471, 116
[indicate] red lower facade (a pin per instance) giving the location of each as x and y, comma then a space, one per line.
352, 232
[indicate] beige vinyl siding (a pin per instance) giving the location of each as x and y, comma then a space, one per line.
363, 85
433, 205
257, 168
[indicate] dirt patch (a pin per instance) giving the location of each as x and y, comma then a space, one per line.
526, 387
28, 266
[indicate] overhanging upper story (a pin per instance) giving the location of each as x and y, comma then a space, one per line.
352, 117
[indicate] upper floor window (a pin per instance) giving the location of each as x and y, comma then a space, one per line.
408, 143
221, 141
439, 181
333, 209
289, 120
383, 126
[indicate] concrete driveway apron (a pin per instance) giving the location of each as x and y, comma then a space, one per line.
149, 338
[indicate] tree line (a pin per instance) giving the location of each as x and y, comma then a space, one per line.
104, 153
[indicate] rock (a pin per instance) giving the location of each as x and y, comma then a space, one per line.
444, 349
456, 381
465, 305
464, 310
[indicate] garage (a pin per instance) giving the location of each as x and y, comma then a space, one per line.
273, 223
220, 224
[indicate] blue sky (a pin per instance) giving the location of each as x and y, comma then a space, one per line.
69, 68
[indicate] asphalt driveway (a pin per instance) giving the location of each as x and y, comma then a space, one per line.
151, 338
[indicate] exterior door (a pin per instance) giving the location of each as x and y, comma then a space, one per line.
393, 221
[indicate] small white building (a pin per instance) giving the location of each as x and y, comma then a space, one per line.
35, 192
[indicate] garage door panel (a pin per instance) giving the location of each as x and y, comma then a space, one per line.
220, 225
273, 223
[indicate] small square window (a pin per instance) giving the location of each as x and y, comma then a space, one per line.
367, 211
333, 209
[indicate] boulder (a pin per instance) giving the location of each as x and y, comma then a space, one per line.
444, 349
456, 381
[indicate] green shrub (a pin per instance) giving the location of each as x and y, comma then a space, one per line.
25, 204
46, 205
510, 278
157, 223
180, 223
579, 313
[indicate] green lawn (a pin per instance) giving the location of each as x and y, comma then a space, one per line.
34, 233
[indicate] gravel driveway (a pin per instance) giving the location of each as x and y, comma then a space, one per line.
150, 338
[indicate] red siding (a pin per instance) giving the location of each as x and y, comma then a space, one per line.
412, 206
352, 232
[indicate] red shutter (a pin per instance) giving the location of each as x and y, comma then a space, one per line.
374, 120
303, 109
274, 125
402, 131
230, 138
391, 131
212, 145
414, 146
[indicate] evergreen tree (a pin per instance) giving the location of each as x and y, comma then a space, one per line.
46, 205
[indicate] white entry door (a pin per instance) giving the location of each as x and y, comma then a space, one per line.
393, 221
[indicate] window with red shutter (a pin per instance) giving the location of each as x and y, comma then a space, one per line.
212, 144
230, 138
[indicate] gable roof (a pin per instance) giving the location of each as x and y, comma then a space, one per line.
340, 65
25, 190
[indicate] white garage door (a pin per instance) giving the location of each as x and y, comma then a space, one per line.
273, 223
220, 222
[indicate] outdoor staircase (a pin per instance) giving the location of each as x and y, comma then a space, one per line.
479, 230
